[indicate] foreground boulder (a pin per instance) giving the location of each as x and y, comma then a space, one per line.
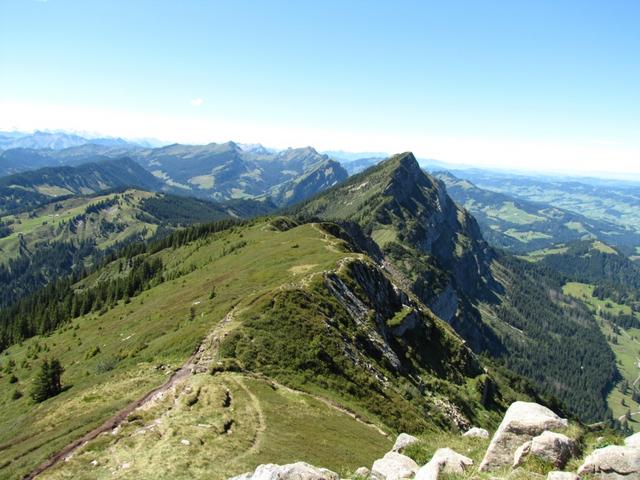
394, 466
444, 460
633, 440
554, 448
476, 432
403, 441
614, 462
292, 471
521, 422
562, 476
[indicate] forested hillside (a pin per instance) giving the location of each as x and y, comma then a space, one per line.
67, 236
26, 191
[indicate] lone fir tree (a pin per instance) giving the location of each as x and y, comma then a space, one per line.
47, 382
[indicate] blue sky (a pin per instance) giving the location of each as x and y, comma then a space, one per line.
522, 84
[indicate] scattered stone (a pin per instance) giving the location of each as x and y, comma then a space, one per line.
613, 461
476, 432
554, 448
394, 466
633, 440
186, 442
94, 463
403, 441
292, 471
362, 472
521, 422
444, 460
562, 476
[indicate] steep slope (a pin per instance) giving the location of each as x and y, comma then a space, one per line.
297, 326
499, 304
66, 236
523, 226
26, 191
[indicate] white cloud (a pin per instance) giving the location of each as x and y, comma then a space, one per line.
196, 102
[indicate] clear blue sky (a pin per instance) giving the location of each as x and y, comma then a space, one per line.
527, 84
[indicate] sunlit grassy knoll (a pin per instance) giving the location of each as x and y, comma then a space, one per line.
538, 255
584, 292
526, 236
508, 212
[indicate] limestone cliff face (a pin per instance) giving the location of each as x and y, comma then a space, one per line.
438, 227
395, 325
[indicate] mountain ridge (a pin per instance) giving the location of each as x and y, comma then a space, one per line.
496, 302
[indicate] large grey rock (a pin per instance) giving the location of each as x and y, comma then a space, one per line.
554, 448
394, 466
476, 432
613, 462
633, 440
292, 471
521, 422
403, 441
562, 476
444, 460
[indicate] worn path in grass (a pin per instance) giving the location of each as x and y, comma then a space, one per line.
198, 362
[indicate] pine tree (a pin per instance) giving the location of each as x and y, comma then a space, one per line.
48, 380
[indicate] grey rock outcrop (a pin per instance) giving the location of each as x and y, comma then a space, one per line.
521, 422
613, 462
292, 471
394, 466
554, 448
476, 432
403, 441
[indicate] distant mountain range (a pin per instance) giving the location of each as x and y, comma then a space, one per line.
53, 140
214, 171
